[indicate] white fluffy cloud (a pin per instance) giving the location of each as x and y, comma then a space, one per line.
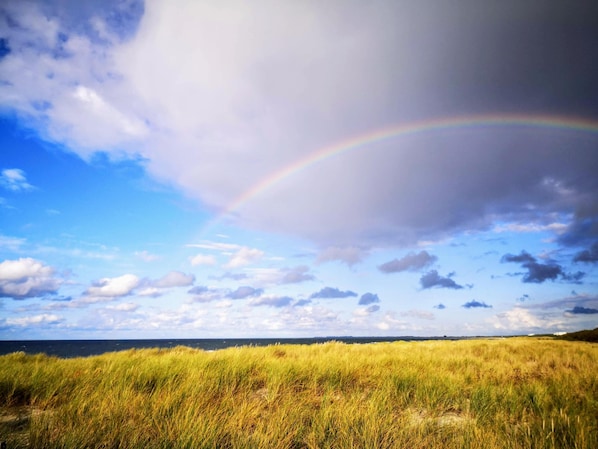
26, 278
14, 179
109, 288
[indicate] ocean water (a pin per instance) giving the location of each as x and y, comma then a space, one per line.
85, 348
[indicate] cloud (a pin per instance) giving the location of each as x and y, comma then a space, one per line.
110, 288
271, 301
350, 255
366, 311
419, 314
410, 262
124, 307
244, 292
268, 85
27, 278
14, 179
589, 255
203, 259
229, 275
440, 306
368, 298
34, 320
205, 294
476, 304
524, 297
524, 257
541, 272
11, 243
579, 310
433, 279
297, 275
244, 256
146, 256
330, 292
174, 279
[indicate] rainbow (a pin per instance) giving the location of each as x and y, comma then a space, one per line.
400, 130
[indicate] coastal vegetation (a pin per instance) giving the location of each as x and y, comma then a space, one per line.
483, 393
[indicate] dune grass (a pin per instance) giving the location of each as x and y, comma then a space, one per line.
508, 393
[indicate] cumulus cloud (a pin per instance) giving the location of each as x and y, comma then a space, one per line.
540, 272
433, 279
473, 304
523, 257
296, 275
111, 288
271, 301
244, 256
174, 279
244, 292
14, 179
331, 292
580, 310
589, 255
368, 298
27, 278
410, 262
366, 311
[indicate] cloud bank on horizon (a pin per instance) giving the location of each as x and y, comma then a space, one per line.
218, 103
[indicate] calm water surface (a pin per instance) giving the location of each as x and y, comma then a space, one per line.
84, 348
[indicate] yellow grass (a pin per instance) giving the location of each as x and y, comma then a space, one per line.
511, 393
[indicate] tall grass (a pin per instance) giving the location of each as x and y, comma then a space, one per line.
512, 393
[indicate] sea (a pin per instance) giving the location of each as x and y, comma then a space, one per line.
86, 348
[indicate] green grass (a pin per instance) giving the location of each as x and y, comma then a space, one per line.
503, 393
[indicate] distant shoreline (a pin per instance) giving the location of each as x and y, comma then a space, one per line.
85, 348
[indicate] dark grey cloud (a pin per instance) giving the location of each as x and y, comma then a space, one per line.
410, 262
331, 292
415, 60
523, 257
368, 298
580, 310
433, 279
589, 255
583, 230
244, 292
541, 272
302, 302
476, 304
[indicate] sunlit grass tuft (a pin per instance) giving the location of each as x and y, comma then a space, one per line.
509, 393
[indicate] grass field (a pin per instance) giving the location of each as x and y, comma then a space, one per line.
487, 393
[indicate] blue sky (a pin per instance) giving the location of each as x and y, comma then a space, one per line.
143, 147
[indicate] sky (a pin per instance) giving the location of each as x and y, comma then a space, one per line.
208, 169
